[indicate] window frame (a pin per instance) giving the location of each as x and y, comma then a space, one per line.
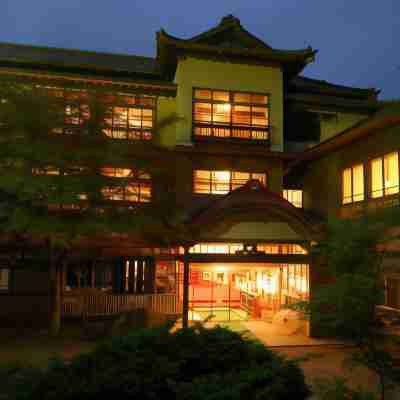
5, 288
77, 98
364, 193
231, 181
140, 181
381, 157
212, 137
291, 202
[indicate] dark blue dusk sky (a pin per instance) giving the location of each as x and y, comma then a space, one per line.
358, 40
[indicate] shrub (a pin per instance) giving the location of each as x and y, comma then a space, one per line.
194, 363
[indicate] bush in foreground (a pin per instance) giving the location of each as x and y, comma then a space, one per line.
195, 363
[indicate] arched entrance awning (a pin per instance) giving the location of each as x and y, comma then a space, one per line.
253, 207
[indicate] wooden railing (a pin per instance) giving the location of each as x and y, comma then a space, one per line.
85, 306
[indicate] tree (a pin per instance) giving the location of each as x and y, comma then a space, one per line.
53, 150
353, 252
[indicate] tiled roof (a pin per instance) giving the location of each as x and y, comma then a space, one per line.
301, 84
78, 59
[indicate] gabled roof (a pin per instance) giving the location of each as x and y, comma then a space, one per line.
229, 32
230, 40
253, 200
78, 60
387, 117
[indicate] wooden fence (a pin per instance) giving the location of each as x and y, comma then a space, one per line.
85, 306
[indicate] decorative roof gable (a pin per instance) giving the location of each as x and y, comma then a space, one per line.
230, 33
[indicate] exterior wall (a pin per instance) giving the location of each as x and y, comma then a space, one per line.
322, 180
193, 72
166, 121
336, 123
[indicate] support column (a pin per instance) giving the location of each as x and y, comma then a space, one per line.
185, 305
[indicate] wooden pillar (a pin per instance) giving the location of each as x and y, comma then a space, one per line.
92, 274
150, 276
139, 277
185, 305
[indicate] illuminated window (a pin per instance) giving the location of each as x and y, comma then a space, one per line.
138, 189
225, 114
294, 196
353, 184
385, 175
47, 170
4, 279
132, 119
123, 173
222, 182
232, 248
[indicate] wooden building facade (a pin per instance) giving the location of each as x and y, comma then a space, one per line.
258, 157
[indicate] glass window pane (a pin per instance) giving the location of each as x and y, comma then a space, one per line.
222, 113
260, 177
376, 178
135, 117
358, 183
347, 192
202, 112
259, 99
120, 116
220, 96
147, 118
220, 182
239, 179
260, 116
241, 115
202, 94
391, 172
242, 98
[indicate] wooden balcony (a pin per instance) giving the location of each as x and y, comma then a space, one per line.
103, 305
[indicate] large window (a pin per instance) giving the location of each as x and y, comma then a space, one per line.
353, 184
133, 119
126, 116
294, 196
222, 182
235, 115
136, 189
4, 279
385, 175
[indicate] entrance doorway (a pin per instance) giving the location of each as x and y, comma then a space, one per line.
243, 291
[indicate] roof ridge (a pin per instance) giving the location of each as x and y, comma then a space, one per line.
325, 82
74, 50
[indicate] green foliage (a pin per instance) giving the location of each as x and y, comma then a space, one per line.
194, 363
337, 389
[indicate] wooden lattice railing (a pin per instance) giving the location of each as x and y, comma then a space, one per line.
112, 304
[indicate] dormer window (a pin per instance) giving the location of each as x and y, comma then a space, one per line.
222, 114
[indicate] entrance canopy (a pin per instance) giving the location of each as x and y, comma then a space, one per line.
253, 212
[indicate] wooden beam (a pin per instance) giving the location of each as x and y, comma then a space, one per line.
185, 305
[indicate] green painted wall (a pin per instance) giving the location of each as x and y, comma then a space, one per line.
333, 124
193, 72
166, 121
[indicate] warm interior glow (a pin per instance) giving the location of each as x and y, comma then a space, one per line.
385, 175
294, 196
233, 248
353, 184
225, 114
222, 182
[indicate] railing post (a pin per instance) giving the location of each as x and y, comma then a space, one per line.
185, 305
